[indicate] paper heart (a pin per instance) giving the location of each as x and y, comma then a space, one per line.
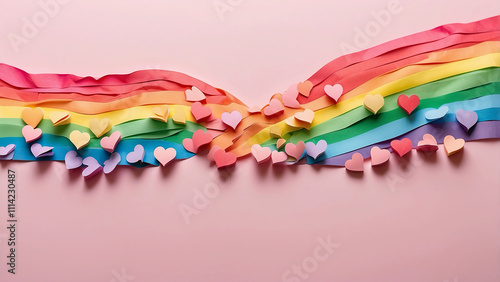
4, 151
59, 118
401, 147
32, 116
200, 112
373, 103
275, 131
379, 156
290, 97
40, 151
160, 113
100, 127
79, 139
452, 145
109, 143
261, 154
200, 138
7, 157
72, 160
254, 110
355, 163
92, 167
408, 104
305, 87
278, 157
315, 150
295, 151
275, 108
436, 114
280, 142
31, 134
194, 95
179, 117
334, 91
467, 119
111, 163
224, 159
427, 144
137, 155
294, 122
231, 119
210, 155
306, 116
164, 156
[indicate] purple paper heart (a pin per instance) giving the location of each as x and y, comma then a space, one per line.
315, 151
40, 151
466, 118
436, 114
112, 162
137, 155
4, 151
72, 160
10, 156
93, 167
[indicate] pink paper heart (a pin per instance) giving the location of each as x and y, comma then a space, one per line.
334, 91
210, 155
40, 151
295, 151
290, 97
231, 119
164, 156
200, 138
92, 167
194, 95
109, 143
275, 108
254, 110
111, 163
427, 144
137, 155
72, 160
355, 163
379, 156
31, 134
261, 154
278, 157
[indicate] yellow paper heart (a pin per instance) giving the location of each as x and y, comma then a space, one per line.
79, 139
160, 113
275, 131
100, 127
59, 118
32, 116
179, 117
373, 103
293, 122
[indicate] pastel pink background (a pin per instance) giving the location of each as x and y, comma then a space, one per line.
439, 222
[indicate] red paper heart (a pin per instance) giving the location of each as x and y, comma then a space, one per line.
224, 159
199, 111
401, 146
356, 163
408, 104
200, 138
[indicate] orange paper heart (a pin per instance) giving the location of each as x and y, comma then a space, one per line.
32, 116
452, 145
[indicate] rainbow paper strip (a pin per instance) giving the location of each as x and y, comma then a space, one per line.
457, 65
